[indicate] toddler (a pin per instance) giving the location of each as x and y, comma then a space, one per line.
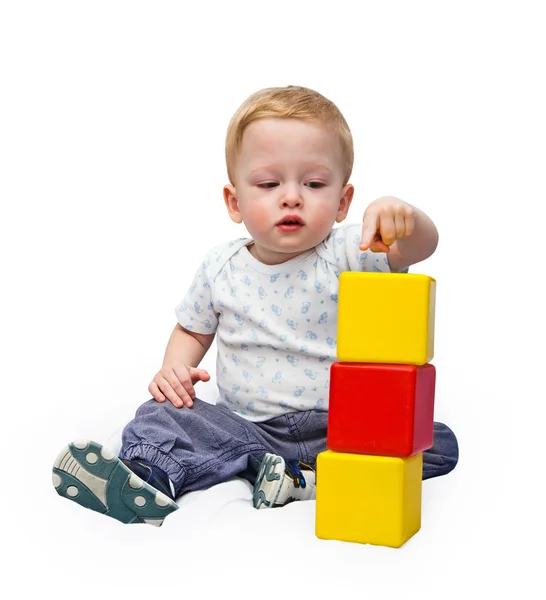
271, 300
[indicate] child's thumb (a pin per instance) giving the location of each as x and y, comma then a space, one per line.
200, 374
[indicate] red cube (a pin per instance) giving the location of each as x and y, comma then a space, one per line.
381, 409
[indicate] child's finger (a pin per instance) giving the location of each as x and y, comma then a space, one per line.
179, 389
156, 392
199, 375
400, 225
203, 375
410, 224
387, 230
379, 246
369, 228
166, 391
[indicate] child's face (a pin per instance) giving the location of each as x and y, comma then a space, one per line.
287, 169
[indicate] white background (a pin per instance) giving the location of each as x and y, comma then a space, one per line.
112, 128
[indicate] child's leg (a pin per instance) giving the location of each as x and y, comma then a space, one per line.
302, 436
196, 447
288, 474
193, 447
310, 430
444, 454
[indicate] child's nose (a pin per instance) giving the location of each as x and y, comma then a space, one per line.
292, 196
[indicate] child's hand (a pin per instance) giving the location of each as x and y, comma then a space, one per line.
385, 220
176, 384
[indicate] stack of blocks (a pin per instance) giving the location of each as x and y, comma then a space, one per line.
381, 410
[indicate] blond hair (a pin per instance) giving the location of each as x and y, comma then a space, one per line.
288, 102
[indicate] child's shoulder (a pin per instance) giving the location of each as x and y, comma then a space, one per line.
341, 248
341, 232
340, 238
228, 247
219, 255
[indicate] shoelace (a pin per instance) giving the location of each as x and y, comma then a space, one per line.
293, 468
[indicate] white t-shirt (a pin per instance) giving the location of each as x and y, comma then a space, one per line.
276, 325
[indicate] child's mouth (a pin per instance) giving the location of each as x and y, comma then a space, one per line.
289, 226
290, 223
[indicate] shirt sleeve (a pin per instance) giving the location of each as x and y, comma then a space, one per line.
341, 248
196, 311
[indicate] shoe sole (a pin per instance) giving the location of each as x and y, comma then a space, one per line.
268, 481
95, 478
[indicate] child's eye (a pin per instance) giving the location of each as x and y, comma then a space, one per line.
315, 185
268, 185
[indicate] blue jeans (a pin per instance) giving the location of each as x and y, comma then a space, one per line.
207, 444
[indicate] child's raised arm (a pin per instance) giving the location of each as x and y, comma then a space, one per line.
405, 232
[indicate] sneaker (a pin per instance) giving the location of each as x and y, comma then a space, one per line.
151, 474
89, 474
280, 482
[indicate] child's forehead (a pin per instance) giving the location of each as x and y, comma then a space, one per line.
288, 136
277, 126
295, 143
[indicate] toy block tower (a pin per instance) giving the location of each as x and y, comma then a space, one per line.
381, 409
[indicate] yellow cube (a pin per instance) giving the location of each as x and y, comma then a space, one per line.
368, 499
386, 318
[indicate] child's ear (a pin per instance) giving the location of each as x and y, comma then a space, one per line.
345, 202
230, 198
